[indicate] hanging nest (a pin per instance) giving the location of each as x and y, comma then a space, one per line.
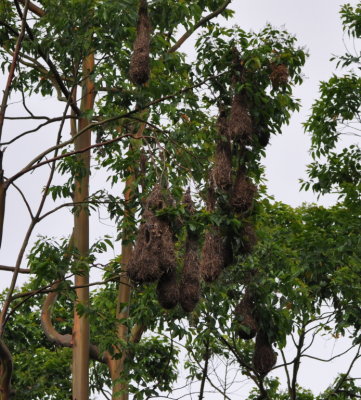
153, 252
222, 169
168, 290
243, 193
246, 324
279, 75
248, 239
222, 124
264, 357
139, 64
240, 121
190, 288
215, 255
158, 199
263, 136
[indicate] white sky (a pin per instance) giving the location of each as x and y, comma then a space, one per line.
316, 24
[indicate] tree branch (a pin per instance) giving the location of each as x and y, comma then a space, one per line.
12, 269
34, 8
6, 369
200, 23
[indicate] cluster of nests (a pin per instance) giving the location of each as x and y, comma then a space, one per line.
247, 327
154, 256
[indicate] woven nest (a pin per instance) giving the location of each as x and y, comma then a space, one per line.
243, 193
222, 124
139, 64
153, 252
222, 166
158, 199
168, 290
240, 121
264, 357
263, 136
279, 75
190, 289
249, 238
247, 326
215, 255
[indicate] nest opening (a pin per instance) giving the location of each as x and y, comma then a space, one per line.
139, 64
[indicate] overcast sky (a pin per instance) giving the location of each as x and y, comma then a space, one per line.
316, 23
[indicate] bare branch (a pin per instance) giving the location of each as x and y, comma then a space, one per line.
34, 8
12, 269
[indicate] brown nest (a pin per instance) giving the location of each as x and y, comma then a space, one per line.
153, 252
243, 193
222, 124
249, 238
168, 290
222, 166
189, 292
215, 255
158, 199
247, 326
279, 75
264, 357
139, 64
240, 121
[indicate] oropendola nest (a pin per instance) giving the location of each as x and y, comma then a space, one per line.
240, 121
190, 289
222, 169
139, 64
279, 75
243, 193
158, 199
246, 324
153, 252
168, 290
248, 239
264, 357
216, 254
222, 124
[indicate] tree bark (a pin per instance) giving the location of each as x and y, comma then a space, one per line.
81, 341
6, 368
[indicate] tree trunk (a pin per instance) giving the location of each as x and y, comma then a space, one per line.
124, 290
81, 243
6, 368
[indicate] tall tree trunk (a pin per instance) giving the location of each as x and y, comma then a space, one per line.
81, 243
6, 367
124, 290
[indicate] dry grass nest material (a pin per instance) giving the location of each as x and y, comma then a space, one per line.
243, 193
216, 254
222, 169
168, 290
249, 238
153, 252
222, 124
279, 75
240, 121
189, 293
246, 324
139, 64
264, 357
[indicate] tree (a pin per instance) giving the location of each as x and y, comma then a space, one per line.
162, 132
335, 115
